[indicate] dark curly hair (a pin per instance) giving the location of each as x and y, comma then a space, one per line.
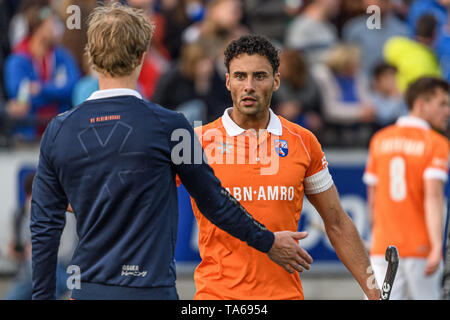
253, 44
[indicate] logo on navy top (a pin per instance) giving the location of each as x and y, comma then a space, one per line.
132, 270
281, 147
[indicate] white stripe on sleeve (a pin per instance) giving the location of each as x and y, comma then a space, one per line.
370, 179
434, 173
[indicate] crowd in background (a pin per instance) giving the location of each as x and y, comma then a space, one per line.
344, 70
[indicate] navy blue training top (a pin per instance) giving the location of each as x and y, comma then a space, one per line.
110, 158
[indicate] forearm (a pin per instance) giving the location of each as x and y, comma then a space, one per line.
224, 211
370, 203
434, 208
351, 251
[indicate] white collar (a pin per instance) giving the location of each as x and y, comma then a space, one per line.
411, 121
233, 129
108, 93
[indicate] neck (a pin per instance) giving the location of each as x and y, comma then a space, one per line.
256, 122
107, 82
417, 114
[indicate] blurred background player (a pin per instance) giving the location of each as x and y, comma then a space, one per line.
406, 172
247, 140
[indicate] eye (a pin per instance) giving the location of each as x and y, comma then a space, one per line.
239, 76
260, 76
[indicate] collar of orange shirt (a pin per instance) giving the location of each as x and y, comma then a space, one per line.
411, 121
274, 127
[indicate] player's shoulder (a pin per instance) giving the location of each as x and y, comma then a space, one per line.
169, 119
57, 122
158, 109
61, 117
439, 139
302, 138
296, 131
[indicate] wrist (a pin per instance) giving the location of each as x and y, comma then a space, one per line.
436, 249
374, 294
270, 243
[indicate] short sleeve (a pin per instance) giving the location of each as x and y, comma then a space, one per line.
317, 178
437, 163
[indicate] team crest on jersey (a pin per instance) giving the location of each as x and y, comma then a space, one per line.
281, 147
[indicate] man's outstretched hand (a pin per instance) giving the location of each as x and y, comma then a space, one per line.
287, 252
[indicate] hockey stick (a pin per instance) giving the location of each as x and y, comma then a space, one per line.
392, 259
446, 277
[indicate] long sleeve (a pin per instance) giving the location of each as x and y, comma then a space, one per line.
48, 206
212, 199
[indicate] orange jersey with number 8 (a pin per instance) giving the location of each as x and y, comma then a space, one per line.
401, 157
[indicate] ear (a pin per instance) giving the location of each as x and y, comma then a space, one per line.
419, 106
227, 81
276, 81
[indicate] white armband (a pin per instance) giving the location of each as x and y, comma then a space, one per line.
319, 182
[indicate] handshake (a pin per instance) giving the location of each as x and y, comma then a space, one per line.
287, 253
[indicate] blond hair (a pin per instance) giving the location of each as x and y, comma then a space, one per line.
118, 36
342, 57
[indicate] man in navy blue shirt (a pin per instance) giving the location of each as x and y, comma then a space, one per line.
114, 158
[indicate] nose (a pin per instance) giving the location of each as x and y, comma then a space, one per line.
249, 85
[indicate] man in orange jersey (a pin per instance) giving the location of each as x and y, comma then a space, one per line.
268, 164
406, 171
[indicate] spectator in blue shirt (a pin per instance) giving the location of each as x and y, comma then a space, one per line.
442, 49
40, 72
437, 8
